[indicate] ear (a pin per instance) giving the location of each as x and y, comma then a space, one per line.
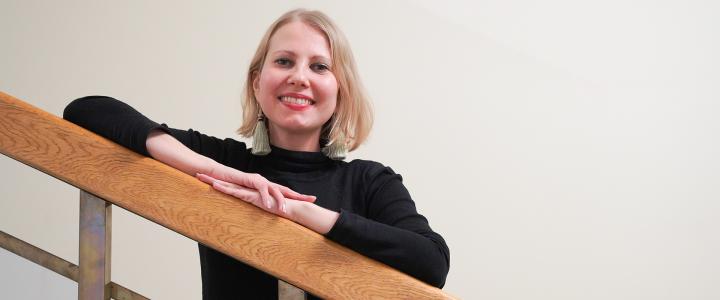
255, 81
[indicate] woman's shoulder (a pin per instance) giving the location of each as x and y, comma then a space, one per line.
364, 164
369, 169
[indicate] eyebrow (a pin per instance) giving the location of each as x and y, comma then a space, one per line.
291, 53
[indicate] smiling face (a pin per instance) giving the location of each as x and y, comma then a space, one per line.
296, 88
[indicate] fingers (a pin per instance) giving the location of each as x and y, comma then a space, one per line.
251, 196
280, 198
204, 178
262, 185
259, 183
287, 192
254, 181
265, 195
271, 194
280, 207
235, 191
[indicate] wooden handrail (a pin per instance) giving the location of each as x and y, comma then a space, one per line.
187, 206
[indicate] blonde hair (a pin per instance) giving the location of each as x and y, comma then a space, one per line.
353, 116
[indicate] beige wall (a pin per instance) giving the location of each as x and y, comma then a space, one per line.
565, 149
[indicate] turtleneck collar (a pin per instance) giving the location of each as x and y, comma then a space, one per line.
280, 159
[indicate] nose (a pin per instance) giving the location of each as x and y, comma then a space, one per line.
298, 78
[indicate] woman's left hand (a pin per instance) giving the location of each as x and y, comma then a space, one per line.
249, 195
305, 213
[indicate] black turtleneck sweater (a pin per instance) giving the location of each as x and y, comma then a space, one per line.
377, 216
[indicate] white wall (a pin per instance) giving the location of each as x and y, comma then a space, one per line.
564, 149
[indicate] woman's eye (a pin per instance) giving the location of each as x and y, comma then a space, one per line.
319, 67
283, 61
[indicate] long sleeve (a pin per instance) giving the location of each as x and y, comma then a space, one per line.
120, 123
393, 232
111, 119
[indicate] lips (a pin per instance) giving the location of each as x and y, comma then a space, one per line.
295, 100
296, 103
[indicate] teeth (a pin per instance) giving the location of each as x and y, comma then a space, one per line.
294, 100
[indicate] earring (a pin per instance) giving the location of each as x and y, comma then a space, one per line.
261, 141
337, 150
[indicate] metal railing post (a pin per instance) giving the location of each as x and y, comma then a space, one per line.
95, 227
288, 291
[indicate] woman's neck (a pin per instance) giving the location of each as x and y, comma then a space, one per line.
295, 141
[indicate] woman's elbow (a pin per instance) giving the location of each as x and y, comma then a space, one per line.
79, 109
434, 268
437, 276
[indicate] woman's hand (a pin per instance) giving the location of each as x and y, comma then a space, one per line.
249, 195
305, 213
272, 195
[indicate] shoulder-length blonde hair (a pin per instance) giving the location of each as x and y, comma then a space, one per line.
353, 116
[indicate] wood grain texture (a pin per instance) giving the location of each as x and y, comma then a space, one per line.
185, 205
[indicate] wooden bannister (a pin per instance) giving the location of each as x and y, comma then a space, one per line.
187, 206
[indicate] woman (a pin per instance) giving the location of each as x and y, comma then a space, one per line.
304, 106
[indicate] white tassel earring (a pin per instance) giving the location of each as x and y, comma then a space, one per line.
337, 149
261, 140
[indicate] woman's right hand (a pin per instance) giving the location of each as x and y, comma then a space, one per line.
272, 194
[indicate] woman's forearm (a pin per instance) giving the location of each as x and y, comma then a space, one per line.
312, 216
170, 151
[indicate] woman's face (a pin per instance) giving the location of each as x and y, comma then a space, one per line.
295, 87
